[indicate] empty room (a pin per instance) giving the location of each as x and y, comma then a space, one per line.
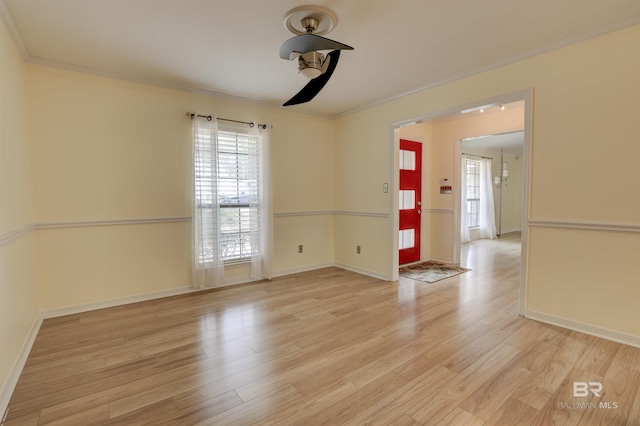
348, 212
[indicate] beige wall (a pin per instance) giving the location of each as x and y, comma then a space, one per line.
109, 150
586, 101
18, 306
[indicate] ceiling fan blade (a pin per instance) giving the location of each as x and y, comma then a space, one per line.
314, 86
304, 43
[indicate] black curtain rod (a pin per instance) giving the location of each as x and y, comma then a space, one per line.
473, 155
210, 117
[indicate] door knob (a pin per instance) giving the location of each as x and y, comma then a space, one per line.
419, 211
419, 203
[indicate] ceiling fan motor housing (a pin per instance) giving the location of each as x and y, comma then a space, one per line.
310, 64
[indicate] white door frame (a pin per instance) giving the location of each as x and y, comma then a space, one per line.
524, 95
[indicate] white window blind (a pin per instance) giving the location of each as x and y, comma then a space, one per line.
473, 193
230, 173
238, 186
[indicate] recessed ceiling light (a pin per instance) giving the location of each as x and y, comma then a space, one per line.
478, 108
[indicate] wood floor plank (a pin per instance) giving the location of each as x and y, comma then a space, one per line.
311, 365
405, 420
484, 401
327, 347
619, 388
468, 381
627, 357
563, 408
149, 394
256, 410
398, 402
598, 356
194, 408
30, 419
160, 412
93, 416
513, 413
459, 417
401, 352
312, 405
546, 379
634, 413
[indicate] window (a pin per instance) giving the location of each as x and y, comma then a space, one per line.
236, 186
473, 193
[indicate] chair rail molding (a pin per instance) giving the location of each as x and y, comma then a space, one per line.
587, 226
10, 236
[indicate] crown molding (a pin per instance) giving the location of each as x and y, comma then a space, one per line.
498, 64
163, 84
7, 17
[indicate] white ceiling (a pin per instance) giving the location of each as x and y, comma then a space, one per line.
231, 46
512, 143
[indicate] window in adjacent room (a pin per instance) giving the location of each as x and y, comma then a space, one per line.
473, 192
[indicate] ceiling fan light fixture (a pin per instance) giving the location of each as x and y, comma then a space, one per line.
310, 64
308, 22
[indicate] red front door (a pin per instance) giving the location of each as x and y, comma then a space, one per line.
410, 200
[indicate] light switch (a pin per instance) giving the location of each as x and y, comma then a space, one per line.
385, 187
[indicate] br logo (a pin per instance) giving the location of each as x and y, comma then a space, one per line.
582, 389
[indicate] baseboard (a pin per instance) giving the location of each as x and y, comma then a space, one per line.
12, 380
441, 259
363, 271
298, 270
510, 231
592, 330
85, 307
76, 309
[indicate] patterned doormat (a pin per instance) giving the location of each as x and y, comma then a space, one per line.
430, 272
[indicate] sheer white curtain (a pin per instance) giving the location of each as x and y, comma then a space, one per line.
464, 216
487, 215
261, 212
207, 263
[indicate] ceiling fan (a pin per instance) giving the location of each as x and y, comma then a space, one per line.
309, 23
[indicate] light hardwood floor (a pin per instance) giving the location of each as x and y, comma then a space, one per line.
328, 347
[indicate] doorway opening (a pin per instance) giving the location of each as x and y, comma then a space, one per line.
491, 187
441, 135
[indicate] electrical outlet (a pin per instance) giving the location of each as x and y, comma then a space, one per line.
300, 248
358, 249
